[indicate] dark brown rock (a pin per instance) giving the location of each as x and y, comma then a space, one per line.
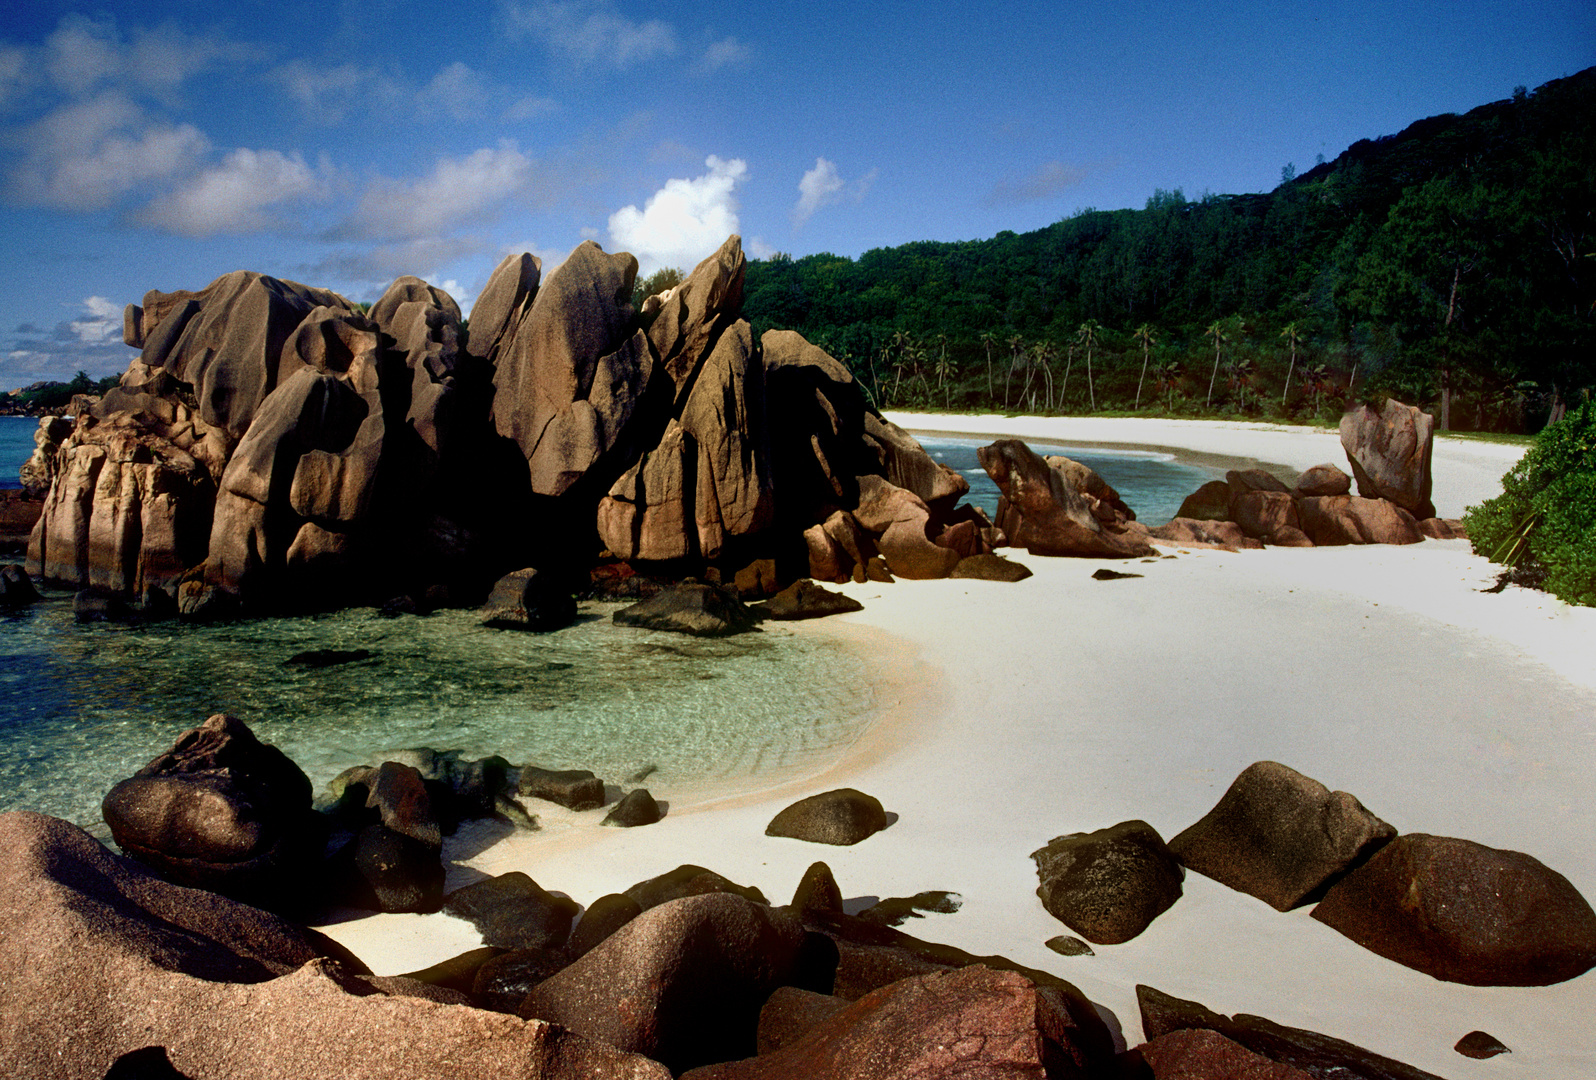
724, 417
1220, 534
16, 587
689, 880
1463, 912
513, 912
990, 568
1043, 514
602, 918
1262, 513
504, 981
1443, 529
757, 580
574, 789
1315, 1054
1389, 449
1347, 519
682, 983
528, 600
1288, 536
635, 808
1108, 885
1280, 836
696, 312
972, 1022
805, 600
905, 464
791, 1013
842, 817
691, 608
1065, 945
147, 958
456, 973
1104, 501
220, 810
817, 891
1211, 502
1480, 1045
901, 522
1200, 1053
1324, 479
386, 870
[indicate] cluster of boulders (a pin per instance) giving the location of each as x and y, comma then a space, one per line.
275, 447
1389, 452
1450, 908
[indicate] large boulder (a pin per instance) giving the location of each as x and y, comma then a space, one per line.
38, 472
1108, 885
1464, 912
1201, 1052
691, 608
724, 416
901, 523
803, 599
528, 600
97, 947
1324, 479
972, 1022
693, 315
1389, 449
841, 817
1100, 496
221, 811
514, 912
905, 464
1262, 514
1348, 519
569, 377
503, 302
1205, 532
682, 983
1043, 514
1211, 502
1280, 836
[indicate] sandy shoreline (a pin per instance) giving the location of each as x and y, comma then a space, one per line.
1012, 713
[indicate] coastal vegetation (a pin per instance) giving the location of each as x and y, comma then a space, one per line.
1542, 528
1449, 265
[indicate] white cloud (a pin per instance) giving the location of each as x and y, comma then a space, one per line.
234, 197
458, 91
822, 186
82, 53
474, 188
725, 53
330, 94
86, 155
530, 107
374, 269
685, 220
589, 31
16, 74
102, 323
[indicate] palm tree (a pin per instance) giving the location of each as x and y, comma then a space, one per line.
1241, 372
1217, 332
1069, 361
1167, 377
1293, 338
944, 368
1317, 379
1043, 354
1144, 334
1088, 337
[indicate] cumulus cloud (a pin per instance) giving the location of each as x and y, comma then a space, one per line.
530, 107
458, 191
822, 186
331, 94
85, 155
458, 91
83, 53
90, 340
236, 196
685, 220
588, 32
1051, 179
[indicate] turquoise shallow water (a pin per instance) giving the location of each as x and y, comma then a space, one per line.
82, 706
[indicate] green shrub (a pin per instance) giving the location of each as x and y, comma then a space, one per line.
1546, 514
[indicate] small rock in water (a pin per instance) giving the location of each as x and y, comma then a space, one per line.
897, 910
1068, 945
1105, 574
1479, 1045
320, 658
637, 808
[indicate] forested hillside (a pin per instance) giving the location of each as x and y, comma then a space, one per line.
1450, 265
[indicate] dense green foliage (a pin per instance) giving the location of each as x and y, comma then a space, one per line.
1545, 518
1449, 265
55, 395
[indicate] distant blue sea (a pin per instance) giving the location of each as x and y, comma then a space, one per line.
16, 447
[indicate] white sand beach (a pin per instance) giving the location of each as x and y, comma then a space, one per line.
1012, 713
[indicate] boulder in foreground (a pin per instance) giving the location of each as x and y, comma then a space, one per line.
1466, 913
840, 817
1108, 885
1279, 835
98, 947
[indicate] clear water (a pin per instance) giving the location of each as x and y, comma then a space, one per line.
1152, 483
16, 447
83, 706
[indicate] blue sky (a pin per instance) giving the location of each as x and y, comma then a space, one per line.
161, 144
